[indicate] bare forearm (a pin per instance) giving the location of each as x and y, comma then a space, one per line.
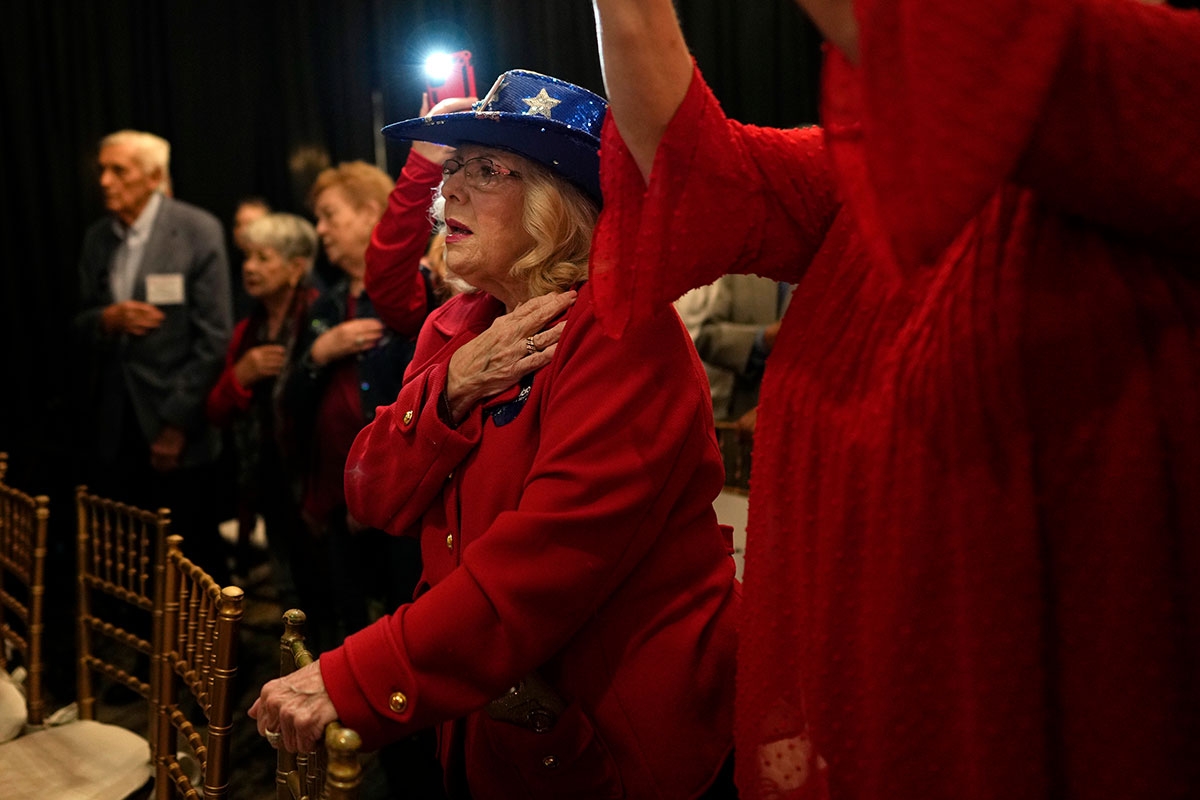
647, 70
835, 19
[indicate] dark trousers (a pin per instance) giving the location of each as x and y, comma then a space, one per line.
189, 492
348, 579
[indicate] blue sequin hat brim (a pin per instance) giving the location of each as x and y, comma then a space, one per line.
544, 119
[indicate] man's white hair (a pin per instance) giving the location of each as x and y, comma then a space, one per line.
151, 152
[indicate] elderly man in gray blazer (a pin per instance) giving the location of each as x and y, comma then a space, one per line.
155, 320
733, 323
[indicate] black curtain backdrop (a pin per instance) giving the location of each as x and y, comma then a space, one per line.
255, 96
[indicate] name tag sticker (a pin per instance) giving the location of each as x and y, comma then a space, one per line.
164, 290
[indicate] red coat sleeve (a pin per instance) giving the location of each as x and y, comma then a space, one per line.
722, 197
227, 396
398, 463
1088, 102
393, 278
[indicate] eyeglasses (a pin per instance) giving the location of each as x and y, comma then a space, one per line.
481, 173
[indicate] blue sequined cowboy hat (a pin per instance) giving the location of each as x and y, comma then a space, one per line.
541, 118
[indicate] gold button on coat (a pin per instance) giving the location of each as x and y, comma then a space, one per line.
398, 702
550, 762
408, 415
450, 541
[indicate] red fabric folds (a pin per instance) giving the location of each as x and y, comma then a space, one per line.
972, 566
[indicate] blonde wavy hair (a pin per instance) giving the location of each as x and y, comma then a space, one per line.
560, 219
362, 185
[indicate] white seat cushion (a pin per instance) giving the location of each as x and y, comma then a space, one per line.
13, 711
83, 760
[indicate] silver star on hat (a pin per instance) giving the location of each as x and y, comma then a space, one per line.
541, 104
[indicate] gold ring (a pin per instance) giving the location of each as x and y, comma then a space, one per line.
274, 738
530, 347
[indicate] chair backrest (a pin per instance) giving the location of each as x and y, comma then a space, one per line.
119, 552
332, 771
736, 446
197, 666
23, 521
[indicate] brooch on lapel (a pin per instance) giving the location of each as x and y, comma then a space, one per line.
507, 412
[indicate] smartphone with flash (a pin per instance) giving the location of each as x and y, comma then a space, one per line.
458, 81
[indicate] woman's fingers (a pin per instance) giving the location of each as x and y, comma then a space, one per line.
527, 320
290, 740
512, 347
301, 727
292, 712
451, 105
536, 361
267, 722
548, 337
358, 335
256, 714
532, 315
371, 332
529, 351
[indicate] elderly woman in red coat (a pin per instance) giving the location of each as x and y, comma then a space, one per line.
561, 483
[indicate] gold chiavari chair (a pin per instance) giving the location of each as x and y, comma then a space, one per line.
332, 771
733, 503
23, 521
198, 654
88, 758
119, 552
736, 445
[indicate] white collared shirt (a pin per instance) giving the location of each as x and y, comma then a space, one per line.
127, 258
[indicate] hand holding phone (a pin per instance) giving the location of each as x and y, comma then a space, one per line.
435, 152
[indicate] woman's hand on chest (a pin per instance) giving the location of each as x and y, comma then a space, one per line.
514, 346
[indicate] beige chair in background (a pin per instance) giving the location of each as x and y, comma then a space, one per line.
736, 447
332, 771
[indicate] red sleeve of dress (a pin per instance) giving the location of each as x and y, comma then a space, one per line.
722, 197
1076, 99
227, 396
1119, 140
393, 278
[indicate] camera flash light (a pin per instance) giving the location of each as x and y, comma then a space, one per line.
438, 66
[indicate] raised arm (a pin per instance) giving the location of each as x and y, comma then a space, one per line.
647, 69
835, 20
393, 279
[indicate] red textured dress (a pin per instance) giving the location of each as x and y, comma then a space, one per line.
973, 562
